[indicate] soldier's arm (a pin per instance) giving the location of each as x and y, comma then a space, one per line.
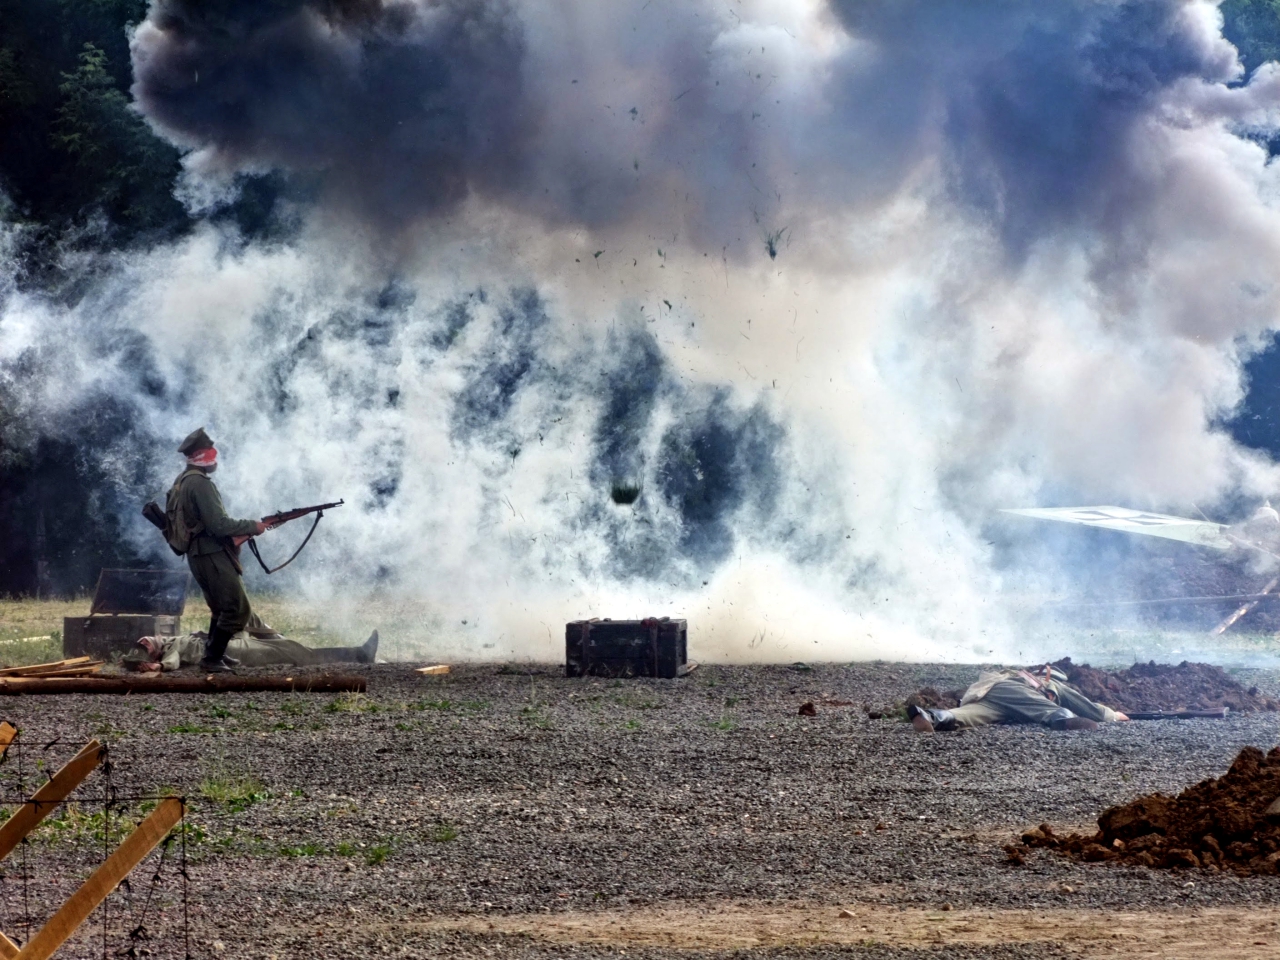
170, 661
213, 514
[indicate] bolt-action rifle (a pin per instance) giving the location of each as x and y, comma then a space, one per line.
282, 517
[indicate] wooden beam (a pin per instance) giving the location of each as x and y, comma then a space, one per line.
167, 683
435, 670
40, 667
7, 732
1243, 609
8, 949
28, 816
103, 880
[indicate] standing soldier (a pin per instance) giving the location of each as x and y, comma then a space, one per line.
194, 507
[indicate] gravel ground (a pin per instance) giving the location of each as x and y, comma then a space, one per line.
499, 791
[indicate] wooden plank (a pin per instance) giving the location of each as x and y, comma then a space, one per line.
38, 667
28, 816
86, 670
1243, 609
435, 670
106, 878
8, 949
7, 732
168, 683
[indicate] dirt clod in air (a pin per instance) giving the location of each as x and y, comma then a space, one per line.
1229, 823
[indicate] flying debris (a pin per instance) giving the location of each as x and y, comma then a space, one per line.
1261, 532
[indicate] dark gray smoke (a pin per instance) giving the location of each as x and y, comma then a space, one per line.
403, 106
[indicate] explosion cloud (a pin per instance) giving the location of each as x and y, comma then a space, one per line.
820, 285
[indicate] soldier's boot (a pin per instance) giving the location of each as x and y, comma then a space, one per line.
215, 649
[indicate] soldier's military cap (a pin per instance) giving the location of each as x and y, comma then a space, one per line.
198, 440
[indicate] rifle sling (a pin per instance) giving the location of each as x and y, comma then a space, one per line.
253, 546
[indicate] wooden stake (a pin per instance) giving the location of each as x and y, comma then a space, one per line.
7, 732
103, 880
28, 816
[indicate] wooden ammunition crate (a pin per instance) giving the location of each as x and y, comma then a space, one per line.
100, 637
627, 648
127, 605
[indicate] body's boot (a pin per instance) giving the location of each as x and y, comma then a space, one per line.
365, 653
927, 720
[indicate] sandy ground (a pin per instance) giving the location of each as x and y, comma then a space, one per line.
514, 812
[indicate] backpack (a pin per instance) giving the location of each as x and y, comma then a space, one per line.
178, 532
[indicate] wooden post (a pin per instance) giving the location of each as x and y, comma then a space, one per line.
1228, 623
42, 802
103, 880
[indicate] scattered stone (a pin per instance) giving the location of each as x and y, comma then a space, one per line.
846, 915
807, 709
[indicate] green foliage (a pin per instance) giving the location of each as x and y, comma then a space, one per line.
377, 854
235, 793
444, 833
1254, 27
70, 144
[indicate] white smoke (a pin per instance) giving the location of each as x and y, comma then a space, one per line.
885, 267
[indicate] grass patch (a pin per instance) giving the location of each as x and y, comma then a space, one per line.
631, 724
351, 703
234, 793
724, 724
377, 854
304, 850
536, 716
191, 728
444, 833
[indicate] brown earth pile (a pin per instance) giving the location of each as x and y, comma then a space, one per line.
1231, 823
1148, 687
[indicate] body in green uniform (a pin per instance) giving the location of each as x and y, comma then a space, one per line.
1017, 696
171, 653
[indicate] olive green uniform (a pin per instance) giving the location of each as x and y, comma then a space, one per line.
213, 558
1015, 696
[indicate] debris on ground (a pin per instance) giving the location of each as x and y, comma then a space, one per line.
1229, 823
1143, 688
433, 670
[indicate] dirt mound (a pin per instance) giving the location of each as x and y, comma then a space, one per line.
1149, 687
1231, 823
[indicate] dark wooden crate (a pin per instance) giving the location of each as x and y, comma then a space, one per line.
101, 637
626, 648
127, 605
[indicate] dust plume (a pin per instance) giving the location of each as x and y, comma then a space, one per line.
823, 285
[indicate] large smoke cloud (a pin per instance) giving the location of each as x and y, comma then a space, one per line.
827, 283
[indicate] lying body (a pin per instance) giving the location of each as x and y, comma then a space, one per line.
1018, 696
172, 653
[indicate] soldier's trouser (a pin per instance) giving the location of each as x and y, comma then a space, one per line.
1010, 702
223, 591
272, 652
